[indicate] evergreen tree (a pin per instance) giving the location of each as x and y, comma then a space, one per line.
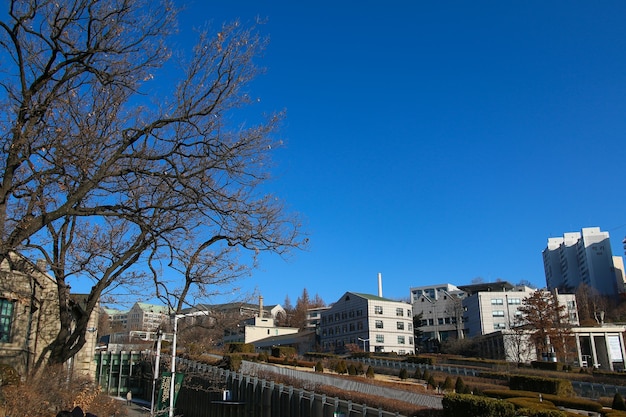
459, 386
448, 385
417, 374
370, 372
618, 402
404, 374
319, 367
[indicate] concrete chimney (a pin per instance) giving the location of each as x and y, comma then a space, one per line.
260, 306
380, 284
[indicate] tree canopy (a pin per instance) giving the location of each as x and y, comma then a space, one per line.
118, 162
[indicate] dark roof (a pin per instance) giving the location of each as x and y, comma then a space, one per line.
487, 286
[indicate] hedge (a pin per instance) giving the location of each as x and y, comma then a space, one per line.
283, 351
238, 347
567, 402
554, 386
420, 360
466, 405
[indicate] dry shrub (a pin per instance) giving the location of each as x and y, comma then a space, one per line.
52, 391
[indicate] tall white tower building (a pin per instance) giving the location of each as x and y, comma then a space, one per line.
578, 258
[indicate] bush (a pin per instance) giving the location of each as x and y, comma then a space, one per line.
459, 386
341, 367
554, 386
618, 402
319, 367
448, 385
431, 382
404, 374
426, 375
233, 362
370, 372
54, 391
240, 348
548, 366
463, 405
421, 360
8, 375
262, 357
351, 369
417, 374
568, 402
283, 352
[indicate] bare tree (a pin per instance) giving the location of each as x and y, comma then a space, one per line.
547, 322
113, 171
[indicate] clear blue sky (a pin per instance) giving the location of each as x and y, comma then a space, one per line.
437, 141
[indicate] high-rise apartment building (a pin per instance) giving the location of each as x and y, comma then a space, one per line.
580, 258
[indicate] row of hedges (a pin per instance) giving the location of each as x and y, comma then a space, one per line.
467, 405
554, 386
568, 402
422, 360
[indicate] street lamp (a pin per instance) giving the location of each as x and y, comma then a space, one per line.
173, 376
363, 340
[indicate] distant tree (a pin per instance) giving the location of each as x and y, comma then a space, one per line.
319, 367
317, 302
370, 372
547, 322
431, 382
404, 374
477, 280
418, 333
341, 367
359, 368
448, 385
417, 374
526, 283
351, 369
300, 311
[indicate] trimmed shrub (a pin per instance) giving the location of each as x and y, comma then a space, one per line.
431, 382
359, 368
370, 372
341, 367
351, 369
262, 357
417, 374
404, 374
463, 405
426, 375
448, 385
459, 386
421, 360
239, 347
568, 402
618, 402
283, 351
547, 366
554, 386
319, 367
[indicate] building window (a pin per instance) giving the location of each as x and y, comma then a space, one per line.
380, 338
440, 321
401, 340
402, 352
498, 313
496, 301
378, 309
351, 327
359, 325
515, 301
6, 319
400, 325
408, 312
498, 326
399, 312
379, 324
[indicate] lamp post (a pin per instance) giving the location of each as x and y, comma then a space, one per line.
173, 368
156, 369
363, 340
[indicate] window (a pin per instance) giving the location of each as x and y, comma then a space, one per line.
6, 319
359, 325
380, 338
402, 352
352, 327
440, 320
378, 309
379, 324
515, 301
401, 340
498, 313
410, 328
498, 326
400, 325
399, 312
496, 301
408, 312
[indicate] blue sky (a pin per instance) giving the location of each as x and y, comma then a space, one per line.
437, 141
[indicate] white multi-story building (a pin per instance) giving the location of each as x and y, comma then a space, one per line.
581, 258
441, 312
489, 309
372, 322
